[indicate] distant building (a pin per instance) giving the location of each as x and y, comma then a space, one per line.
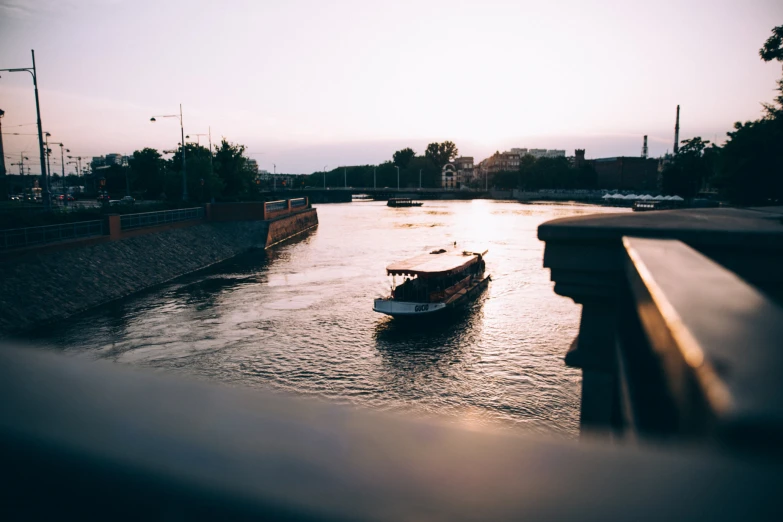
449, 177
627, 173
466, 170
113, 159
539, 153
579, 158
252, 165
499, 162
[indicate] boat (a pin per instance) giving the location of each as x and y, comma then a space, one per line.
403, 202
435, 282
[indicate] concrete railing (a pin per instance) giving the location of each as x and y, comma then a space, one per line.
95, 438
681, 329
18, 238
163, 217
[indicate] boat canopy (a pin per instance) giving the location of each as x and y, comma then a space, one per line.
438, 263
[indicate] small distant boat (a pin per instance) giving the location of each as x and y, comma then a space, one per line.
435, 282
403, 202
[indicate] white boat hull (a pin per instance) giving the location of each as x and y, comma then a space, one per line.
404, 308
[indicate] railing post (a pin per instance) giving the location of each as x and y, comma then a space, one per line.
115, 226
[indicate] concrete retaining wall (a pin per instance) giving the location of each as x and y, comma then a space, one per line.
289, 226
43, 287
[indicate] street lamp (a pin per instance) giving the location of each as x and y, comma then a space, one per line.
48, 168
62, 162
79, 159
325, 175
44, 184
184, 162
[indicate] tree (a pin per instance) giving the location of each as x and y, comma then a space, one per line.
687, 172
773, 47
231, 166
751, 161
441, 153
403, 157
147, 168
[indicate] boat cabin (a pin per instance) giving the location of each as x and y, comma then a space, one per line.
436, 276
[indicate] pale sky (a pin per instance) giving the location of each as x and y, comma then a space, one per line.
305, 84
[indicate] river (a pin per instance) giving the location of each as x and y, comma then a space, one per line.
299, 318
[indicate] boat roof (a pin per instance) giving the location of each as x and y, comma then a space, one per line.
438, 263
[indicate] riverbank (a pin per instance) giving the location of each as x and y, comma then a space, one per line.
47, 286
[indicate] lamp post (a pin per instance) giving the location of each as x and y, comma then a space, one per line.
184, 161
44, 184
325, 175
48, 168
79, 170
398, 177
62, 162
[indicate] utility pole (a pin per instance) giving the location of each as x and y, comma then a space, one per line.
48, 167
211, 168
2, 154
62, 161
325, 175
44, 185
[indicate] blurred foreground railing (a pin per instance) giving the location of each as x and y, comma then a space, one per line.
31, 236
681, 330
82, 440
151, 219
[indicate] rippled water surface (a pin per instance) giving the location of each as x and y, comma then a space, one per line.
299, 318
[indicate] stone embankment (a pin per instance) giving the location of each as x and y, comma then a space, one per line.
42, 287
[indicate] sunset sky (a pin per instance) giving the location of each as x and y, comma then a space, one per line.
304, 84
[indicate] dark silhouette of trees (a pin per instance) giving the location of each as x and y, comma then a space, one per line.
147, 167
773, 47
441, 153
231, 167
402, 157
751, 161
689, 170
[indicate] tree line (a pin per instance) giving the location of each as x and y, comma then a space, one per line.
413, 170
220, 174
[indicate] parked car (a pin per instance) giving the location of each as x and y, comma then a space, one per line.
128, 200
16, 198
103, 198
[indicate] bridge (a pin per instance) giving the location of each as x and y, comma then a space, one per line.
345, 194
